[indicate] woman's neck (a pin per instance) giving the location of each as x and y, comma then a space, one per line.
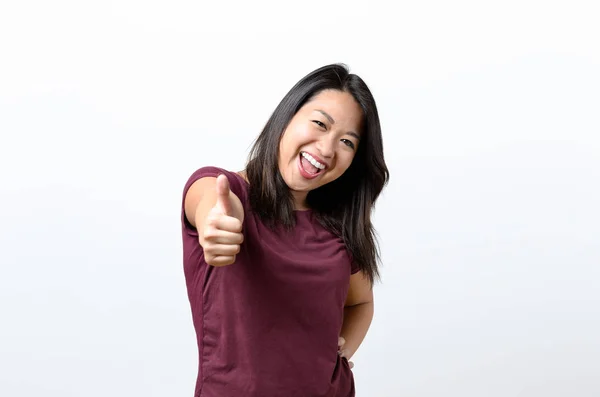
300, 201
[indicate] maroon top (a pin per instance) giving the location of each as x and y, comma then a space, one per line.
268, 325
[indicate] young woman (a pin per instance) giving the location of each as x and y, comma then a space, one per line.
280, 258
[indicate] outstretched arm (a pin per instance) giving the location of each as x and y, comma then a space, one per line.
218, 215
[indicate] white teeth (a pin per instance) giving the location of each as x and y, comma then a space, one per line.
312, 160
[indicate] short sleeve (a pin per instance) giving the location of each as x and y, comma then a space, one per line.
235, 183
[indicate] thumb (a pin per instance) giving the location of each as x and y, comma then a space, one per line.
223, 201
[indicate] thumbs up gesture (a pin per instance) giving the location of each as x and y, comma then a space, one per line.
222, 235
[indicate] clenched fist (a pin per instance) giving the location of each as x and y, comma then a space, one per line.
221, 233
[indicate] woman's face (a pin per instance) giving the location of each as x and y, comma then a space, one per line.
320, 142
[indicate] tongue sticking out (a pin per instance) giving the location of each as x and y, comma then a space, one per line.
308, 167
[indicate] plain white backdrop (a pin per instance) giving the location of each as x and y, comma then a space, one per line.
489, 228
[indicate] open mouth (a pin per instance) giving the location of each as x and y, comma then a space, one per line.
309, 166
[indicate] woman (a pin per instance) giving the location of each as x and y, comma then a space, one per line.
280, 258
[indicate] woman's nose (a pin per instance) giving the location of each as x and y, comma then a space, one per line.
326, 146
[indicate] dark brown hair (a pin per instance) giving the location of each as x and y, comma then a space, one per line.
344, 206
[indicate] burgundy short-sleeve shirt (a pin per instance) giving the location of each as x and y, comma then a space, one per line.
268, 325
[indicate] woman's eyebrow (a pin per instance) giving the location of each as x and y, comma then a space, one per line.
332, 121
354, 134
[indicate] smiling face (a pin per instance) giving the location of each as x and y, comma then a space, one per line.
319, 143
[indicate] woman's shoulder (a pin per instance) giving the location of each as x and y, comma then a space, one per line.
237, 180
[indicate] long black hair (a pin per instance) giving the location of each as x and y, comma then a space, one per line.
344, 206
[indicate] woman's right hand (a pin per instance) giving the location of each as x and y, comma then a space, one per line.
221, 233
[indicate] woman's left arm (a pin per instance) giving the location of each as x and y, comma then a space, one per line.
358, 313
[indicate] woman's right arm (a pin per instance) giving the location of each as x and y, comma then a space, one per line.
218, 215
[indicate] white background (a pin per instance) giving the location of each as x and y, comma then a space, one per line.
489, 227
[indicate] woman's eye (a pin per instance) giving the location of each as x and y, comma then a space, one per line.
320, 124
348, 143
